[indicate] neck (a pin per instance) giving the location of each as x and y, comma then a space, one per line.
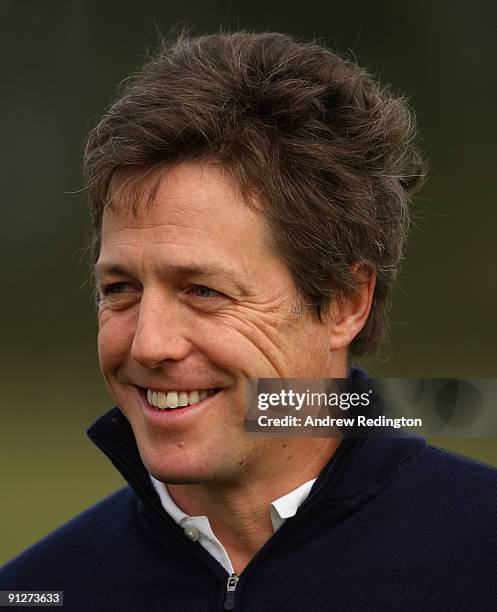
238, 510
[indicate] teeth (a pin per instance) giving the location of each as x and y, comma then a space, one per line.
183, 398
193, 397
172, 400
175, 399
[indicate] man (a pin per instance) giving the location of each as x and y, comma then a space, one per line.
250, 196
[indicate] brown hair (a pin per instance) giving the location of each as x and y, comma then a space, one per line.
329, 153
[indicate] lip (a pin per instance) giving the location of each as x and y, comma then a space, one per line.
176, 415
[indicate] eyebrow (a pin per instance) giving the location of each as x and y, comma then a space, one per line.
102, 269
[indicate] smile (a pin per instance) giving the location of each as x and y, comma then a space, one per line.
177, 399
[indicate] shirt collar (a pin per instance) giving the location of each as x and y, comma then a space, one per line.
287, 505
280, 509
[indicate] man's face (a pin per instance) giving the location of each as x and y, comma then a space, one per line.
192, 299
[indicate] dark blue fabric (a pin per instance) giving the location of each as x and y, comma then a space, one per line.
390, 524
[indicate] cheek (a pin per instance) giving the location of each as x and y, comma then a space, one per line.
219, 343
115, 338
234, 345
310, 352
260, 347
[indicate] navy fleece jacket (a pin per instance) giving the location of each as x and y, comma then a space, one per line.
390, 524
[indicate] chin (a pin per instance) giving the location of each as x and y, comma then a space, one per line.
175, 475
174, 478
172, 468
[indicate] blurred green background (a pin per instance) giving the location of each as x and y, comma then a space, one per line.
60, 62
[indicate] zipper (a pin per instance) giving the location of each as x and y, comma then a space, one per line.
229, 602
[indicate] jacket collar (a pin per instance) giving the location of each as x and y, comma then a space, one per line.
113, 435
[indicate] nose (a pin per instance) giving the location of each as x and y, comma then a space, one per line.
158, 336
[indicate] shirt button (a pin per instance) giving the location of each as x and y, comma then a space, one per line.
192, 533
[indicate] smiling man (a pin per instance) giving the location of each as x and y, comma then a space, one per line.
192, 304
249, 196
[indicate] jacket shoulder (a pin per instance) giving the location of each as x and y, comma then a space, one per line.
465, 486
469, 472
78, 539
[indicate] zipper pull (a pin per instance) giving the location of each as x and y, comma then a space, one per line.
229, 602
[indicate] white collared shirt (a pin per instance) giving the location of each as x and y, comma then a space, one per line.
198, 528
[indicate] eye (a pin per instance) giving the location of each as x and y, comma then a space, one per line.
202, 291
114, 288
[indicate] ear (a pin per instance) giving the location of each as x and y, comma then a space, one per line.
350, 313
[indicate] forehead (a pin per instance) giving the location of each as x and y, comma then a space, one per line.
182, 191
197, 212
